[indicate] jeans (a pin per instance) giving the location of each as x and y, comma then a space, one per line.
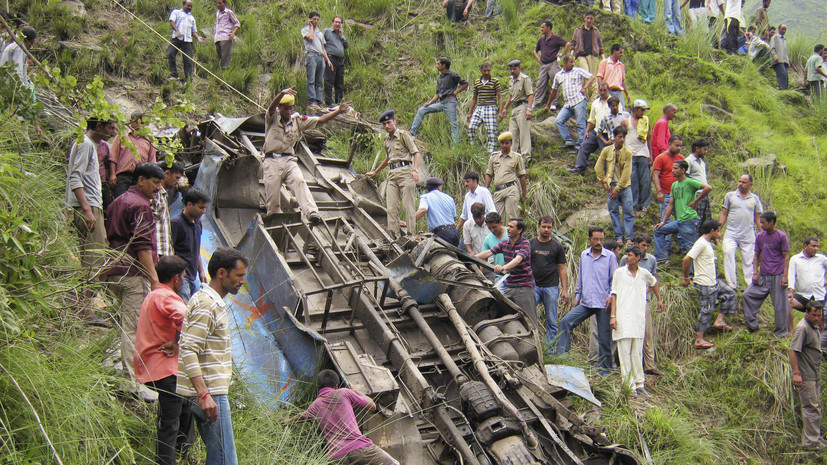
493, 7
626, 229
548, 296
449, 106
648, 11
781, 75
172, 54
641, 183
687, 232
334, 81
631, 8
218, 436
188, 288
591, 145
578, 315
663, 205
175, 421
579, 113
672, 15
315, 65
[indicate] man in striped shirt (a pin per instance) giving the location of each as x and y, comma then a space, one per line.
519, 285
205, 364
485, 106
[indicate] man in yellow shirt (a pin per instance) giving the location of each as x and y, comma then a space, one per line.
614, 170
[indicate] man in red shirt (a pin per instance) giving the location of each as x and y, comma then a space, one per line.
662, 170
156, 355
124, 160
333, 412
660, 132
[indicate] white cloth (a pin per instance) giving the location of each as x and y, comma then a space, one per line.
598, 112
730, 246
704, 256
317, 44
481, 195
474, 235
740, 223
185, 22
630, 353
734, 10
638, 147
713, 7
571, 82
630, 292
17, 56
697, 169
806, 275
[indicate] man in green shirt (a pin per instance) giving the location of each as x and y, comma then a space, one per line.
683, 201
815, 72
498, 234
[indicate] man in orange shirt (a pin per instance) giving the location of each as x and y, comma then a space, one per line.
662, 175
612, 71
156, 355
123, 158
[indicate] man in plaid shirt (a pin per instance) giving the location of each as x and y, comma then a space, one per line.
160, 207
574, 81
485, 105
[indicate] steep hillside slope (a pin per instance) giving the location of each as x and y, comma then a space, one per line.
733, 405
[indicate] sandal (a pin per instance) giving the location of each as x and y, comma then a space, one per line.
723, 327
705, 345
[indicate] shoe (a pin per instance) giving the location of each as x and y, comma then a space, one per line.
314, 218
575, 170
644, 210
653, 372
172, 78
642, 392
568, 144
147, 395
554, 108
98, 321
821, 445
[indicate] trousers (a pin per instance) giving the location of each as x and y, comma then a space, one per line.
224, 49
623, 229
707, 295
809, 394
218, 437
547, 72
630, 353
314, 66
334, 81
92, 241
485, 115
401, 191
285, 170
687, 235
641, 183
590, 145
781, 75
754, 296
507, 202
524, 298
520, 127
175, 421
548, 296
579, 113
578, 315
747, 248
672, 15
172, 54
448, 106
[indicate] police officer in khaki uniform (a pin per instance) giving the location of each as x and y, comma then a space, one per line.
403, 159
521, 99
283, 129
504, 168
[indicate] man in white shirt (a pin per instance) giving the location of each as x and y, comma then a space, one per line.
183, 30
740, 213
706, 282
697, 171
475, 231
628, 317
16, 56
807, 275
476, 193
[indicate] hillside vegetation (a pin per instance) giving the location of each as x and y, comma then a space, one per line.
731, 405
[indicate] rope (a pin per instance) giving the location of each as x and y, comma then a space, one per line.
134, 16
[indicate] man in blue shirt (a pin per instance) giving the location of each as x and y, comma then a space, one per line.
592, 297
441, 211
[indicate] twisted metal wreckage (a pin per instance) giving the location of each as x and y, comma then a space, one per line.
456, 368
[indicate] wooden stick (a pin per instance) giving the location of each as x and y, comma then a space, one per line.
36, 416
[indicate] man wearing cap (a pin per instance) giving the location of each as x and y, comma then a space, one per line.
448, 85
574, 81
521, 99
403, 159
283, 129
504, 169
440, 210
125, 161
638, 140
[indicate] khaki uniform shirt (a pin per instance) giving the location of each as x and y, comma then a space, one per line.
505, 168
400, 146
806, 345
521, 88
282, 138
615, 166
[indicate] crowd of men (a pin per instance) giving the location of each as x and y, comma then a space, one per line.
173, 319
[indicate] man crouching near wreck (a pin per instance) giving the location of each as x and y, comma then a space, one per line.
283, 129
333, 412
